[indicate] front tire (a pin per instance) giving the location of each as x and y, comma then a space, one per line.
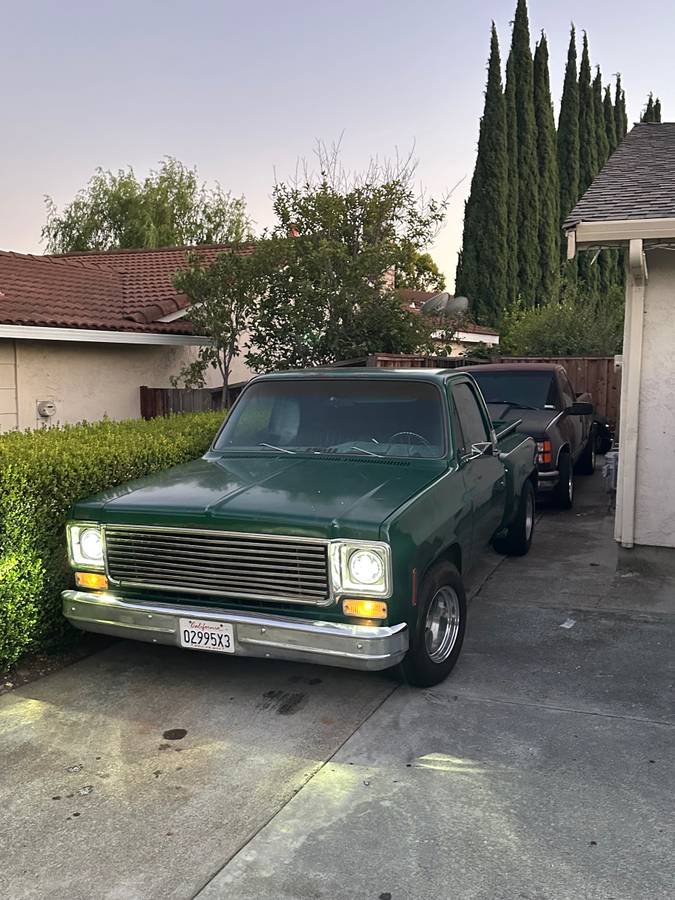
563, 493
518, 538
439, 634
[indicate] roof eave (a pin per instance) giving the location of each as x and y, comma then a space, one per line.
616, 231
95, 336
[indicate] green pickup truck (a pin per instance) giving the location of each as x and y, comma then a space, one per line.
333, 521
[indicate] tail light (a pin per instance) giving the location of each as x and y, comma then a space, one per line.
544, 453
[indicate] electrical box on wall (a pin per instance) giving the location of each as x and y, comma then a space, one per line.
46, 409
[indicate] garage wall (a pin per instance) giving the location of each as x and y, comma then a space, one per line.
8, 410
655, 487
89, 381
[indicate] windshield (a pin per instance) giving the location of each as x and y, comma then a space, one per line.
368, 417
533, 389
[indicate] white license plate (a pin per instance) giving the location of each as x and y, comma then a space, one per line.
200, 634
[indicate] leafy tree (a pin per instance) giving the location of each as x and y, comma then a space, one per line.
549, 183
482, 269
512, 176
223, 297
528, 170
420, 272
325, 293
170, 207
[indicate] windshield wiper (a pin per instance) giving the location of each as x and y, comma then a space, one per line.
513, 403
280, 449
369, 452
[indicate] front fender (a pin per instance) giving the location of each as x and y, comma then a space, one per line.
422, 531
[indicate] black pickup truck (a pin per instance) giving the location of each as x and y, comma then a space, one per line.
560, 421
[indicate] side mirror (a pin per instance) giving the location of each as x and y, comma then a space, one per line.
580, 409
481, 448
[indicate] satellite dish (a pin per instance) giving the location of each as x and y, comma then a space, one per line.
445, 305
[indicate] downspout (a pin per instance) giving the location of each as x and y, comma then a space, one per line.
636, 281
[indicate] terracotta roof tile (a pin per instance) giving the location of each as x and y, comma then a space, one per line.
122, 290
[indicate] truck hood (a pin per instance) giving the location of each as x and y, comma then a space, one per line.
305, 496
534, 421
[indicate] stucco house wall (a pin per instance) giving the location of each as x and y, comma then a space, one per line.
655, 494
86, 381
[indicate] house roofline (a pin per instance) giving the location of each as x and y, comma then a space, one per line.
94, 336
617, 231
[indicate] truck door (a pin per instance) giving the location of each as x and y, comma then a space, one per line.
483, 472
573, 427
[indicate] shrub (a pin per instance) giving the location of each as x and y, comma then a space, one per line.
42, 473
574, 327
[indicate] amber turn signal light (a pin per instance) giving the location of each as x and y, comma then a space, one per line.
365, 609
91, 580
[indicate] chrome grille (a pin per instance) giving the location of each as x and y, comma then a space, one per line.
223, 564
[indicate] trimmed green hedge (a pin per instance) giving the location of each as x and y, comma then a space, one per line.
42, 473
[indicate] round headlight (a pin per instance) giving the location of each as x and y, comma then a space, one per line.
365, 567
90, 544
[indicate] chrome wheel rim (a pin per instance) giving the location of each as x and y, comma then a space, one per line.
529, 515
442, 624
570, 484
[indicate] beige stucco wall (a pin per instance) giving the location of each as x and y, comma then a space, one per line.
85, 380
655, 486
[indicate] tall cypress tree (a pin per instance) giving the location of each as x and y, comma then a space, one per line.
648, 114
528, 170
610, 123
549, 183
512, 175
482, 268
611, 270
620, 116
568, 133
601, 142
588, 156
657, 110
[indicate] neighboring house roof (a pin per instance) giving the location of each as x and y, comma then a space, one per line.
413, 301
637, 182
120, 290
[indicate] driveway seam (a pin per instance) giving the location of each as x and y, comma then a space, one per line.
276, 812
567, 709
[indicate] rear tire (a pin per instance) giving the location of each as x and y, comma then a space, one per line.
518, 538
563, 493
439, 633
586, 464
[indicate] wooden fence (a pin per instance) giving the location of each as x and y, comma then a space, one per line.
588, 374
595, 375
165, 401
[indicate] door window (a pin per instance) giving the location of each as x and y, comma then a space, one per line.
473, 428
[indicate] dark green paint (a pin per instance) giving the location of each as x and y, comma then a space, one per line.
424, 508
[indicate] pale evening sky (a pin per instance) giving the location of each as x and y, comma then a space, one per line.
244, 90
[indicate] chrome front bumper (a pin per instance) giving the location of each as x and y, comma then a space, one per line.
547, 479
275, 637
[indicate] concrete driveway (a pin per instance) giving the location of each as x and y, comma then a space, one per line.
543, 768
